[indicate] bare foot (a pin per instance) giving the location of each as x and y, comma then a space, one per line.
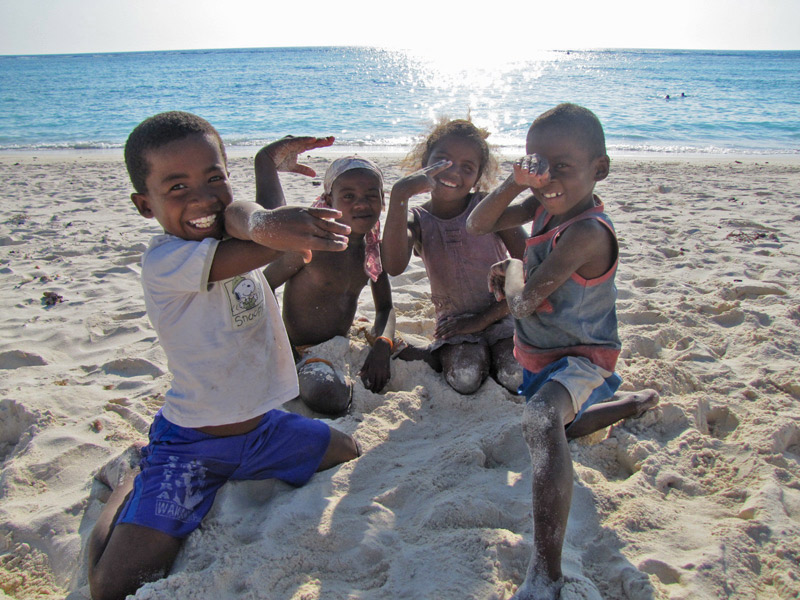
539, 588
643, 400
118, 469
415, 353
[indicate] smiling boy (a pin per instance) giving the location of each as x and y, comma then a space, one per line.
563, 299
321, 297
226, 348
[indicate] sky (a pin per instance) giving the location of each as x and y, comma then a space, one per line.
503, 27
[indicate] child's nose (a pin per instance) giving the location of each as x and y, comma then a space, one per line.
208, 194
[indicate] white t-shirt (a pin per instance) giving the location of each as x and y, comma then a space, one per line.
225, 342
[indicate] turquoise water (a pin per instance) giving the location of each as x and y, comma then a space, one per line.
736, 102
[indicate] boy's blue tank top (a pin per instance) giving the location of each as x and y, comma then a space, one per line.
579, 318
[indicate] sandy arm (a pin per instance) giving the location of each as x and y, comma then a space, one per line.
400, 232
496, 213
376, 370
584, 248
281, 156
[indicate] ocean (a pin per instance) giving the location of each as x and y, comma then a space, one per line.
720, 102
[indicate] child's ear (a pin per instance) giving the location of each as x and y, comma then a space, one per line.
602, 167
328, 199
142, 205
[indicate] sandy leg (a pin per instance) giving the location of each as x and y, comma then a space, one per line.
622, 406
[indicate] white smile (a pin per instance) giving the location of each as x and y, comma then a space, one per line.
204, 222
552, 195
448, 184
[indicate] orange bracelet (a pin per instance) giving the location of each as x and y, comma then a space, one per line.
387, 340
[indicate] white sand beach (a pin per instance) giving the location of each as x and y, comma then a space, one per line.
699, 498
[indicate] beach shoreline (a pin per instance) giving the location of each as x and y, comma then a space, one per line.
116, 154
700, 498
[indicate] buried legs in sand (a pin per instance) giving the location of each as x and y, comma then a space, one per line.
543, 427
466, 365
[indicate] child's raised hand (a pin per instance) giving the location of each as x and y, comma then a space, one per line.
532, 171
296, 229
284, 152
419, 182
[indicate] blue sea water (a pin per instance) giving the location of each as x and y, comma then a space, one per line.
375, 99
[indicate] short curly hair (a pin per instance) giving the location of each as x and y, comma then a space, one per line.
462, 128
157, 131
579, 121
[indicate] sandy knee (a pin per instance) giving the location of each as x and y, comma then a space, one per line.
323, 389
538, 419
464, 380
510, 376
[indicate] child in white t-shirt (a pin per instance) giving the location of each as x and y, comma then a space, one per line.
225, 342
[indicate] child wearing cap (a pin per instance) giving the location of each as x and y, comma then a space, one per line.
321, 297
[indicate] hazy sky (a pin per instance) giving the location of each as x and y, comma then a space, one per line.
71, 26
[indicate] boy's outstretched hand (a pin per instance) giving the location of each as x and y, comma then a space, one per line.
284, 152
287, 228
420, 181
297, 229
532, 171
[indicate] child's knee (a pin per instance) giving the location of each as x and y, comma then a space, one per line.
323, 389
509, 375
342, 448
539, 419
466, 366
464, 380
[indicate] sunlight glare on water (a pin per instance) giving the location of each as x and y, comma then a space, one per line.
479, 83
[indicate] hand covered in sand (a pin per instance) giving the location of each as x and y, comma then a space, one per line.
532, 171
419, 182
284, 152
458, 325
296, 229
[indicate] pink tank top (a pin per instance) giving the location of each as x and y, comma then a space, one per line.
458, 262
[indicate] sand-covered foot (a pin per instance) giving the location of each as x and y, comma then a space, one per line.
643, 401
410, 353
539, 588
120, 468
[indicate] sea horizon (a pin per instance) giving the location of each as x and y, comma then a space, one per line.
721, 102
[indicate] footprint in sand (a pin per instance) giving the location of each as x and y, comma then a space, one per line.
468, 512
15, 420
641, 346
14, 359
648, 282
666, 574
718, 422
751, 290
786, 440
132, 367
643, 317
507, 450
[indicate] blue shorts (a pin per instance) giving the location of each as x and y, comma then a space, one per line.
586, 383
183, 468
